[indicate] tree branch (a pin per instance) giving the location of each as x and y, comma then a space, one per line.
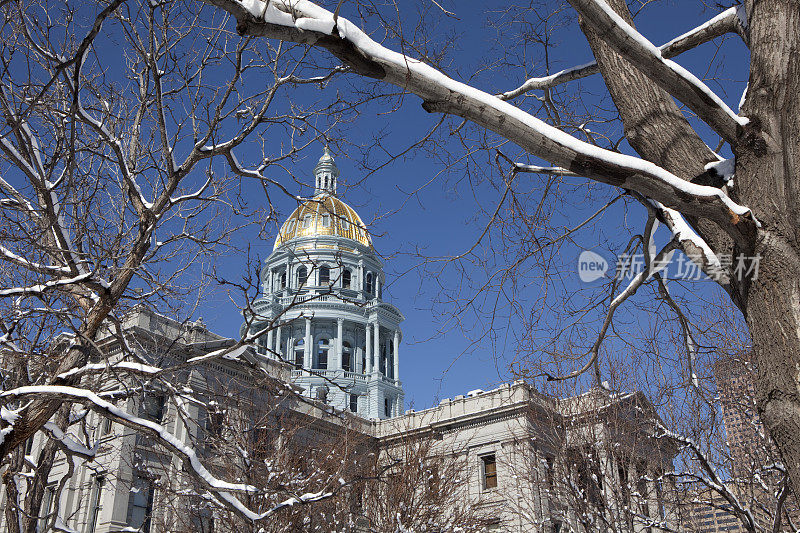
668, 75
311, 24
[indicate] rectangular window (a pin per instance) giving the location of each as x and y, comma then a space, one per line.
95, 503
354, 403
46, 508
152, 407
549, 471
326, 221
202, 521
489, 464
140, 504
386, 410
105, 426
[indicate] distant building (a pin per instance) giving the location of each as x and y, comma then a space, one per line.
534, 462
751, 451
706, 511
747, 442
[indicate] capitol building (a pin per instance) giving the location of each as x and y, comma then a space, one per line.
322, 304
326, 358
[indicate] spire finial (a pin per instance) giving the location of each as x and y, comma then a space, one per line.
326, 173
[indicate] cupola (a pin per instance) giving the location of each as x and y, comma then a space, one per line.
326, 173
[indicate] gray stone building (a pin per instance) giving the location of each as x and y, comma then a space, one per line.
330, 354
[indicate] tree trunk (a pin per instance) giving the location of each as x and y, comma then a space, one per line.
768, 155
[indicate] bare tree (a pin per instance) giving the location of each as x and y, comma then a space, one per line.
120, 177
422, 486
677, 177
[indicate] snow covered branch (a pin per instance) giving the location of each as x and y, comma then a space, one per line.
667, 74
305, 22
223, 490
726, 22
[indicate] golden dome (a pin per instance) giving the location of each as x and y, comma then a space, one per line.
324, 215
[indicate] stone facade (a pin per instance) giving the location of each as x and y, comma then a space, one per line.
518, 446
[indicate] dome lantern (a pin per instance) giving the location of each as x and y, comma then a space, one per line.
326, 174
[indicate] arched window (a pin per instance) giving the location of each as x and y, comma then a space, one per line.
347, 277
302, 276
324, 275
322, 354
347, 357
299, 351
368, 280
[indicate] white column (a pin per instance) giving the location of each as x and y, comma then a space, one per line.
270, 335
368, 348
397, 355
278, 342
307, 354
376, 347
339, 332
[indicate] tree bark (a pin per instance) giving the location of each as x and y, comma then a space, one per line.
767, 160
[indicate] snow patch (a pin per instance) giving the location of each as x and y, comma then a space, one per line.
724, 169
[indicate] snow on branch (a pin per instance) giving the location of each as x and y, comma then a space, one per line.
140, 203
305, 22
43, 287
726, 22
137, 368
69, 445
223, 489
692, 244
655, 262
32, 265
667, 74
713, 480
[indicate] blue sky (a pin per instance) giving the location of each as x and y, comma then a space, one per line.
442, 218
